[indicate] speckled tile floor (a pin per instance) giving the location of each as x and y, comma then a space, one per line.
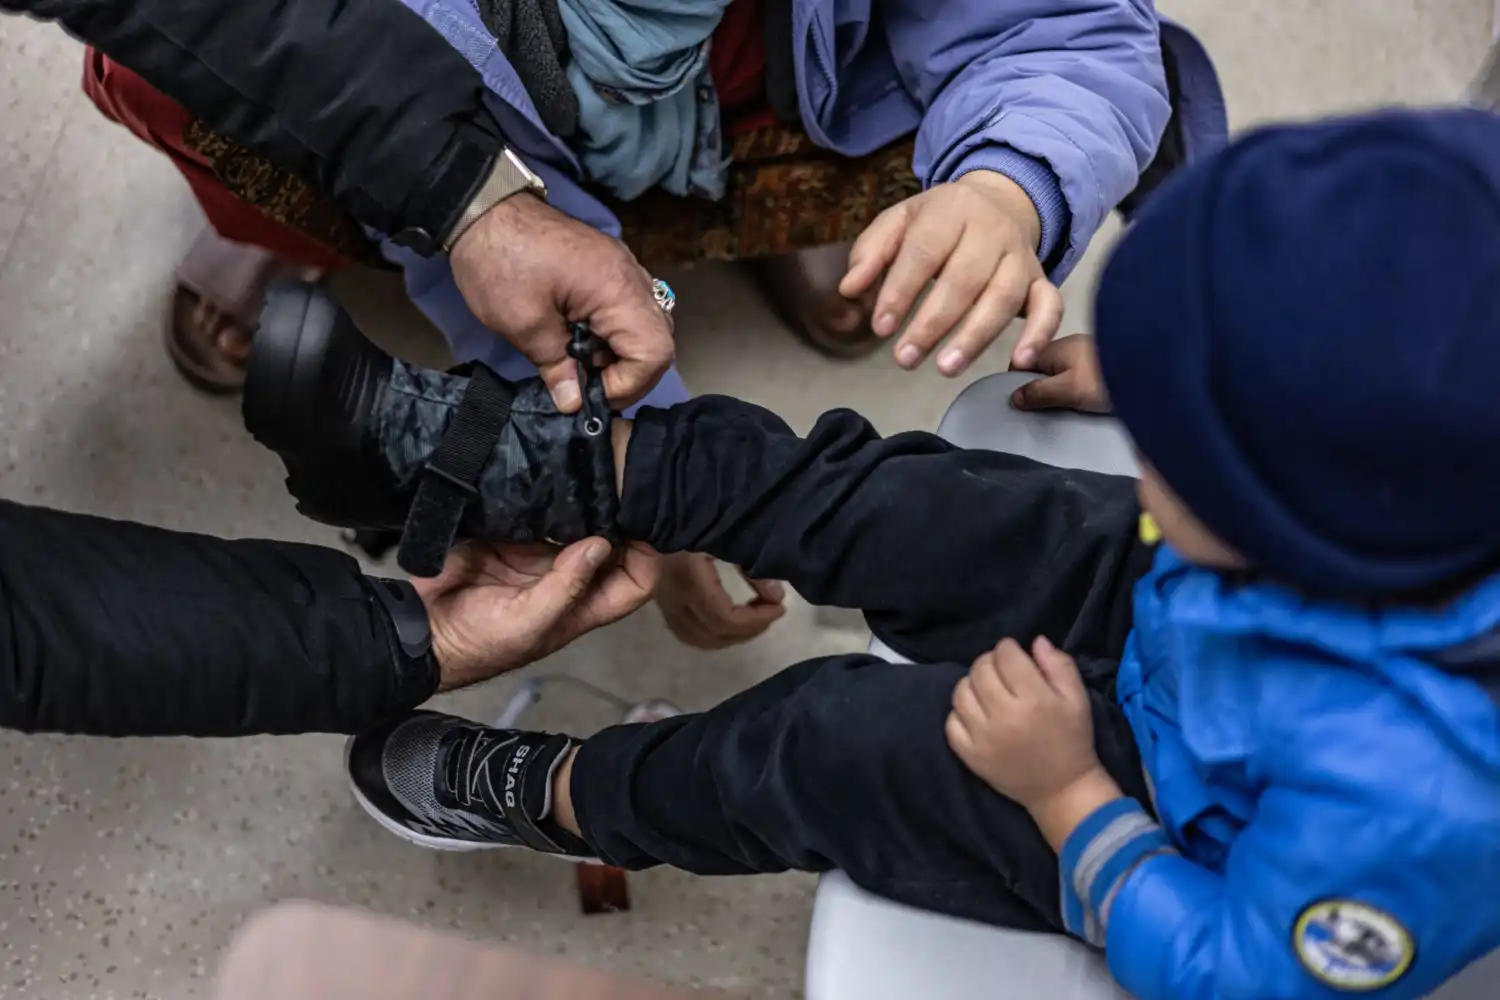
124, 867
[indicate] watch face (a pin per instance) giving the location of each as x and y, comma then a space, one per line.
516, 176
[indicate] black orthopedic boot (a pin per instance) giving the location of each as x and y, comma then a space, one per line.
370, 442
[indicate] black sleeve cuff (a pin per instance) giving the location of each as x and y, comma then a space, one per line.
451, 185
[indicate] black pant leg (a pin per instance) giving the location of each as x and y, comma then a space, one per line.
839, 762
947, 551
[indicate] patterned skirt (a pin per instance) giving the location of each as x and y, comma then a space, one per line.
784, 194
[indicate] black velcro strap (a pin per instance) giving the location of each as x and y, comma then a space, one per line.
451, 477
543, 756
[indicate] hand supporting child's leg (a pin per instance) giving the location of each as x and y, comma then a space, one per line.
944, 549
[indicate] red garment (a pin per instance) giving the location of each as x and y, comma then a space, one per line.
127, 99
737, 61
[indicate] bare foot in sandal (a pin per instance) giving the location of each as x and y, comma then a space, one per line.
216, 307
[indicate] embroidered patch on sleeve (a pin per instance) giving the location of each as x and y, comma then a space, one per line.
1352, 946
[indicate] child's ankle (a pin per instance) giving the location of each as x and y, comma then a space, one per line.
562, 793
620, 435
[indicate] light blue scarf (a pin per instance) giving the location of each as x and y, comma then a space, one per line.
648, 110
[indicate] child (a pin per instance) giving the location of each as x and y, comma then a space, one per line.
1267, 750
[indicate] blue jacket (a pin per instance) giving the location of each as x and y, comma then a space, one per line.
1327, 780
1068, 97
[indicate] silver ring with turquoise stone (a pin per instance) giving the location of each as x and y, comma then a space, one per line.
665, 297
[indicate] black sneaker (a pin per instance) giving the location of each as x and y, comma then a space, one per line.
450, 784
375, 444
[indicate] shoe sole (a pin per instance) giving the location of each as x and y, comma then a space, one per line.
446, 844
277, 374
310, 384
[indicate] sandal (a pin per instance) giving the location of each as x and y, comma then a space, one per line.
802, 288
216, 308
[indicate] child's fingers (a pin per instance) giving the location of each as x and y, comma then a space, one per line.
1061, 355
966, 703
926, 246
1017, 669
873, 252
1050, 393
1044, 314
1074, 382
963, 279
1058, 668
960, 740
989, 685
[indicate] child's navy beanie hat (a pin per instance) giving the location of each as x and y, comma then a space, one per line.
1302, 334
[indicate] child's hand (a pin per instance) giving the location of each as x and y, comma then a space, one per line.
1023, 724
700, 612
1073, 380
975, 239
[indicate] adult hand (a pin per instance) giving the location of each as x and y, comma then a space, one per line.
700, 612
974, 240
497, 608
527, 271
1073, 379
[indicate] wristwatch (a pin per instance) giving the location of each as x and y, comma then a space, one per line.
508, 177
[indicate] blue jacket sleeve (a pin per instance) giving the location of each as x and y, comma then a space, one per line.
1097, 860
1076, 86
1321, 895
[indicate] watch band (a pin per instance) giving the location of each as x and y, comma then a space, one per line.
417, 672
408, 615
510, 176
